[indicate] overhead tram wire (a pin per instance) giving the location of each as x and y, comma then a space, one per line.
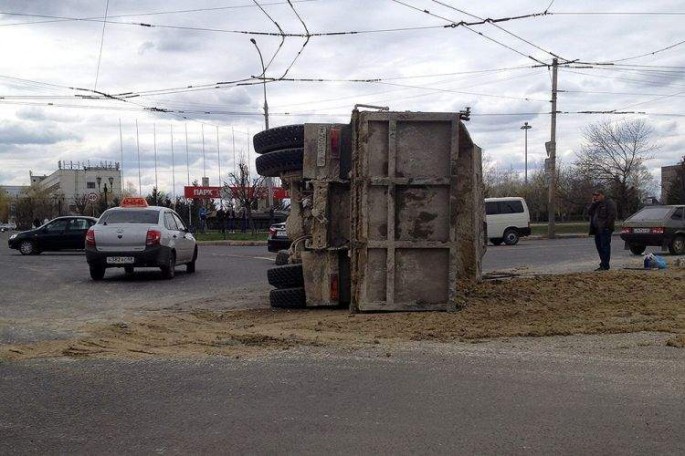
619, 78
455, 24
159, 13
494, 24
260, 33
281, 34
287, 114
306, 41
102, 42
650, 53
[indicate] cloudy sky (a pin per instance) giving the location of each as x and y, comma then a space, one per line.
73, 71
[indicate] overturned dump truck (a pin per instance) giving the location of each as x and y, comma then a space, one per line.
387, 212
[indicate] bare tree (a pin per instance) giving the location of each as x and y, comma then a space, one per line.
247, 191
614, 156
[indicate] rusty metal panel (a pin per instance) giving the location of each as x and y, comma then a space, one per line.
413, 232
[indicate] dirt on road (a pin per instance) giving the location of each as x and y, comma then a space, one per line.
547, 305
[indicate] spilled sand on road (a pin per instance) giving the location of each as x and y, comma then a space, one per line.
547, 305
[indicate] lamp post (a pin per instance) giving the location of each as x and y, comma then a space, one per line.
525, 128
111, 187
269, 180
98, 179
105, 196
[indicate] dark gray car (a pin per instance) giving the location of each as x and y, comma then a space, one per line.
662, 226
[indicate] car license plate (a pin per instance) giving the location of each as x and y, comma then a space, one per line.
120, 260
641, 230
281, 233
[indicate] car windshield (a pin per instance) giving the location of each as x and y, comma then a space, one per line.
129, 216
650, 214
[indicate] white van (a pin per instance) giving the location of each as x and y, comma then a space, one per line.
507, 219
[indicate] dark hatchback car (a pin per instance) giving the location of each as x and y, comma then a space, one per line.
662, 226
278, 238
62, 233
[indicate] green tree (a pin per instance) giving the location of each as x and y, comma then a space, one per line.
5, 201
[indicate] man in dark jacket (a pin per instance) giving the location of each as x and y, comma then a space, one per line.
602, 214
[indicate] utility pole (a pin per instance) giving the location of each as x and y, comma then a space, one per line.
269, 180
525, 129
552, 149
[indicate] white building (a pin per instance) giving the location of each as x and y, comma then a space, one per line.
73, 181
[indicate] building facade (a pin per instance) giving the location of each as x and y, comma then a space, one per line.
74, 181
668, 176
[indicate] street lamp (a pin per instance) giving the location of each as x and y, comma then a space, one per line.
269, 180
111, 187
525, 128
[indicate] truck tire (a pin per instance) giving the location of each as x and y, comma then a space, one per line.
496, 241
287, 137
287, 298
282, 257
287, 276
279, 161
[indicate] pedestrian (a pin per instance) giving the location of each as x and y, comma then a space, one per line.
231, 219
220, 218
36, 222
203, 219
243, 216
602, 214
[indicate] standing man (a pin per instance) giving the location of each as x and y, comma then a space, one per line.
203, 219
220, 217
602, 214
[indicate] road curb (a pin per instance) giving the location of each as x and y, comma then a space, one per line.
234, 243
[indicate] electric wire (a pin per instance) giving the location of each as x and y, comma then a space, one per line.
650, 53
500, 28
102, 42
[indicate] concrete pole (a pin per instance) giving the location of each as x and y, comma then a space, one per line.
551, 228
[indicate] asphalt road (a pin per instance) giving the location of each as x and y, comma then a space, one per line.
47, 295
540, 396
483, 399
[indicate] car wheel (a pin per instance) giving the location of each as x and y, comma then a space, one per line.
169, 270
287, 276
279, 161
97, 272
511, 237
282, 257
285, 137
27, 248
496, 241
190, 267
677, 246
287, 298
637, 249
128, 270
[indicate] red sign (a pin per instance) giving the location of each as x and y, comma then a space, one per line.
134, 201
202, 192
